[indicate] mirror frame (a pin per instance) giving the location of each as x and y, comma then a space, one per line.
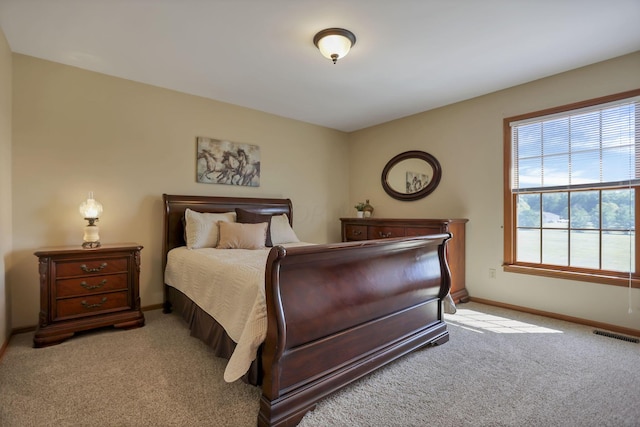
414, 154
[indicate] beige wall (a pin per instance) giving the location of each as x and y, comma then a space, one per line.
5, 185
466, 138
76, 131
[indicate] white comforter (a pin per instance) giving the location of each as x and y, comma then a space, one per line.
229, 285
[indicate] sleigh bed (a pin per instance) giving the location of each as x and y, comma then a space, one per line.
334, 312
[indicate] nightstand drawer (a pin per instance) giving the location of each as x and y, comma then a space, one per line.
91, 285
386, 232
91, 304
98, 266
356, 232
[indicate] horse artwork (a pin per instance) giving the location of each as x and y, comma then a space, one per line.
226, 162
416, 181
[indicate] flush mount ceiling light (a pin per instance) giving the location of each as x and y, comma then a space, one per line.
334, 43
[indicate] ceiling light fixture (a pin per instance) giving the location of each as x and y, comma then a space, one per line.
334, 43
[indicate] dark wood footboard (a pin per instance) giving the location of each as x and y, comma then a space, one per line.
338, 312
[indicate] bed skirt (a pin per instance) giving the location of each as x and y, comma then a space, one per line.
205, 328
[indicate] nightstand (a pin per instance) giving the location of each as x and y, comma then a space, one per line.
82, 289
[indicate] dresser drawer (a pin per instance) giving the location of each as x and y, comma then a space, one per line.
383, 232
91, 285
91, 304
100, 266
355, 232
423, 231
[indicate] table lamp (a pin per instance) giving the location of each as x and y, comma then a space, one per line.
91, 210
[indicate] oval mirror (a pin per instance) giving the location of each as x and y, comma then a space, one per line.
411, 175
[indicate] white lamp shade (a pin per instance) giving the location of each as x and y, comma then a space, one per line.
90, 208
334, 45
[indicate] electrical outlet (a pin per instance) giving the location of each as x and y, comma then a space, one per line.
492, 273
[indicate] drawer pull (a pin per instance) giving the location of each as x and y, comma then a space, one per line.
384, 235
93, 270
96, 305
357, 233
92, 287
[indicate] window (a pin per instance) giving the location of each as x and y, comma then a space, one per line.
572, 176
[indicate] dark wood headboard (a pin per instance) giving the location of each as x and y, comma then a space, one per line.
175, 205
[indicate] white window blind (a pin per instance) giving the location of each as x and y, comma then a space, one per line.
591, 147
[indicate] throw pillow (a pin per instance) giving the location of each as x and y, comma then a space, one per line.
249, 217
234, 235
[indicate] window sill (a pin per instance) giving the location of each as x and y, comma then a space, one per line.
615, 280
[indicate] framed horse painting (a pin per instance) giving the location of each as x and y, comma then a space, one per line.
226, 162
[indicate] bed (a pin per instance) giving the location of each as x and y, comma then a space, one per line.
334, 312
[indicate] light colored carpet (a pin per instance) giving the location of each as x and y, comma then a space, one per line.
500, 368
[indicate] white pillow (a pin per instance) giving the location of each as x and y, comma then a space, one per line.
281, 231
236, 235
201, 229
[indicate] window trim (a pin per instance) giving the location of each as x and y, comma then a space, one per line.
509, 205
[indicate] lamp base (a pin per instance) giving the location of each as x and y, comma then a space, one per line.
91, 245
91, 236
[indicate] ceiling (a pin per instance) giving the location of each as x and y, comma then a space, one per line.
410, 55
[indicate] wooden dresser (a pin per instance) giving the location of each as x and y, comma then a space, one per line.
382, 228
82, 289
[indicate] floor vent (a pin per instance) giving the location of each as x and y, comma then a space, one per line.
616, 336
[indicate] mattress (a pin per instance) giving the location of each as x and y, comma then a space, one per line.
228, 284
